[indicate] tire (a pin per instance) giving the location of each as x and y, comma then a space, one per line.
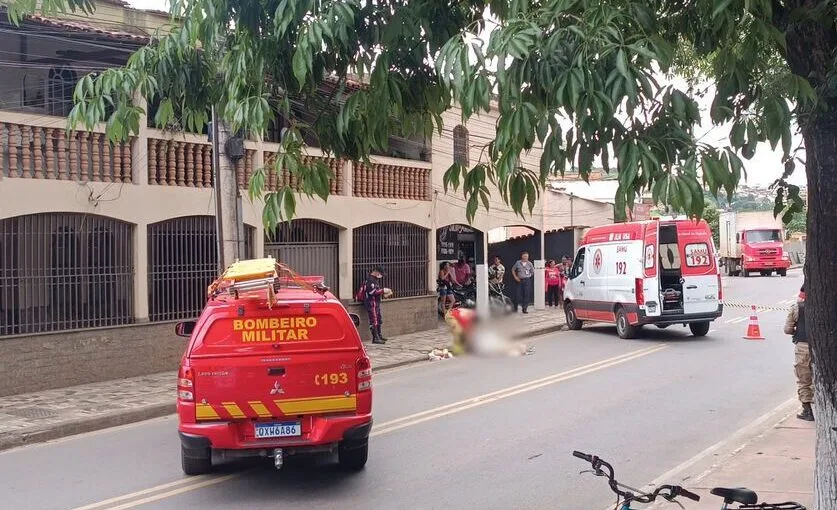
745, 273
782, 272
195, 462
573, 322
623, 326
699, 328
663, 326
353, 458
766, 273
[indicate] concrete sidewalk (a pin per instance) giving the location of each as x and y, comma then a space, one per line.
47, 415
778, 464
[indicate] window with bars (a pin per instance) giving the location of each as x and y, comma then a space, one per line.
401, 248
182, 262
65, 271
461, 145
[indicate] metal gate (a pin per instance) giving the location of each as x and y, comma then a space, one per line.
309, 247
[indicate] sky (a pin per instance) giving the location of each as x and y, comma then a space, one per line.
764, 168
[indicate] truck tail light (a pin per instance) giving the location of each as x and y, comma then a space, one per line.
640, 292
185, 384
720, 289
364, 374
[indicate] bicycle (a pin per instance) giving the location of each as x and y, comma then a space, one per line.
625, 495
749, 500
745, 497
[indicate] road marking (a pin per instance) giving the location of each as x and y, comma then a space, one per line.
738, 320
143, 492
463, 405
721, 450
194, 483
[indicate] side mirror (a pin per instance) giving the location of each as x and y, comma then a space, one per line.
355, 318
185, 328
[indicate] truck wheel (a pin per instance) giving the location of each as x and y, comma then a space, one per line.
352, 457
572, 319
195, 462
623, 326
766, 273
782, 272
699, 328
745, 273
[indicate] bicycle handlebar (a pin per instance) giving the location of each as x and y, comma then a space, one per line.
602, 468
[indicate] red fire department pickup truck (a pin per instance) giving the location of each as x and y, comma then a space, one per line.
274, 367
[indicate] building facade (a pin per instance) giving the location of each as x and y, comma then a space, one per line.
103, 246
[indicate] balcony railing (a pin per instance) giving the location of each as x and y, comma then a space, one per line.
41, 150
39, 147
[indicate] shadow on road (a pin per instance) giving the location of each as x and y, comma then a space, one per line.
674, 333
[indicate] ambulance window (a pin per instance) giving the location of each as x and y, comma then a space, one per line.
578, 266
697, 255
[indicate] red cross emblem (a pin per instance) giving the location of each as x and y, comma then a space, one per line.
597, 261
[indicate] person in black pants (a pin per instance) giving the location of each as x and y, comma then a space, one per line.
372, 302
524, 272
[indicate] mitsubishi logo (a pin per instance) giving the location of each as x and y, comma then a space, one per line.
277, 389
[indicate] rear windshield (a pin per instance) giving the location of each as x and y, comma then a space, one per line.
289, 331
762, 236
697, 255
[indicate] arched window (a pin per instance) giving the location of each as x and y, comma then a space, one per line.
182, 262
62, 83
64, 271
401, 248
461, 145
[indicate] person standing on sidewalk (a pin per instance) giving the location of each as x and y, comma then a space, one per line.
374, 291
523, 272
553, 284
795, 326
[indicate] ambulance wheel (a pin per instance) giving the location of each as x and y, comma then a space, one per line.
782, 272
573, 322
352, 457
623, 326
699, 328
195, 462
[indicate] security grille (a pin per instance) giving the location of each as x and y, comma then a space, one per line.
309, 247
182, 262
65, 271
401, 248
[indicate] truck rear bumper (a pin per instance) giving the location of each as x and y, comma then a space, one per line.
325, 431
681, 318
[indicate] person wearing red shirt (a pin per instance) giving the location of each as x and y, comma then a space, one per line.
553, 284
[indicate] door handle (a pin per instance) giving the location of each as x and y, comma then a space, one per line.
690, 287
581, 282
276, 371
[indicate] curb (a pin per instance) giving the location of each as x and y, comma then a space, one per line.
83, 425
114, 419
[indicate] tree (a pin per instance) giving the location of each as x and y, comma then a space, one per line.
578, 77
797, 223
712, 216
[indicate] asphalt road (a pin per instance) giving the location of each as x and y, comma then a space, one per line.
646, 405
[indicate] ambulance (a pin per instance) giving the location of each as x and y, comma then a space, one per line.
274, 367
661, 272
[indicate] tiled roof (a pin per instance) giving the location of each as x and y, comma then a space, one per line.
82, 27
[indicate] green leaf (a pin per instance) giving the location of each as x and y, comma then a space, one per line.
300, 66
720, 6
622, 64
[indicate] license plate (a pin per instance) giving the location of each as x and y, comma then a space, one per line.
285, 429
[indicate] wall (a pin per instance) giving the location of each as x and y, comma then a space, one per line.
400, 316
41, 362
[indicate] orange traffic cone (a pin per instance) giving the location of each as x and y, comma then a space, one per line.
753, 329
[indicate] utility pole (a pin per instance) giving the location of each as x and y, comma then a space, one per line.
572, 223
229, 224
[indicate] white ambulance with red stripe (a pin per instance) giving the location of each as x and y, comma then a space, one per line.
659, 272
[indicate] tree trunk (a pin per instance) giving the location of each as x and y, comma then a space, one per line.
821, 298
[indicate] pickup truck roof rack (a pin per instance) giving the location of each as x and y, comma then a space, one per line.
265, 273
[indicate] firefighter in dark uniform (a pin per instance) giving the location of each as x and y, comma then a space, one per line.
374, 291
